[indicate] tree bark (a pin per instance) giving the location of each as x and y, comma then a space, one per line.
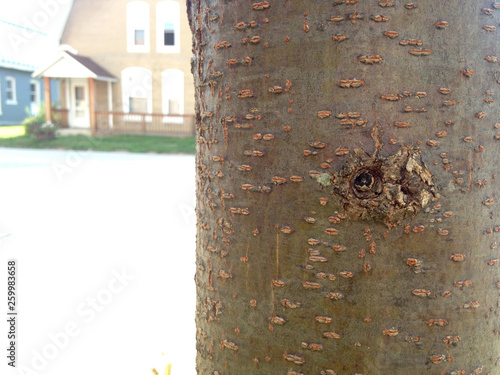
346, 186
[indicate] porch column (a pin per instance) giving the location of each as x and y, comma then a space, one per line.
92, 105
48, 100
110, 104
66, 94
67, 98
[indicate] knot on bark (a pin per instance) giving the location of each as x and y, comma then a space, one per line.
388, 189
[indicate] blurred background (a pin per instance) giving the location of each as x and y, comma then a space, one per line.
97, 182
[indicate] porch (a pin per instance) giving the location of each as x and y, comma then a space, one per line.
111, 123
87, 102
83, 82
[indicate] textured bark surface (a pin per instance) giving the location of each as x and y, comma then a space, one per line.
346, 178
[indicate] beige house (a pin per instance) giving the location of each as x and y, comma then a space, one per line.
125, 66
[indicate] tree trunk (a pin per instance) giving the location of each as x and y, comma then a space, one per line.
346, 186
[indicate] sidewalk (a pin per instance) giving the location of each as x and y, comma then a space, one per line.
62, 132
78, 219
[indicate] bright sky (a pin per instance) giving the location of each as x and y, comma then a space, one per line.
30, 29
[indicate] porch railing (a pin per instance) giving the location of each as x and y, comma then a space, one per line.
144, 123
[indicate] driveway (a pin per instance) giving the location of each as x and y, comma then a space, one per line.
105, 247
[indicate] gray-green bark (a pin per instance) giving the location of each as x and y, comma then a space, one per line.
346, 182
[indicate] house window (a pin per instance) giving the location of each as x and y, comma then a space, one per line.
139, 38
34, 96
138, 105
169, 35
172, 81
79, 93
33, 93
168, 26
138, 26
10, 91
137, 94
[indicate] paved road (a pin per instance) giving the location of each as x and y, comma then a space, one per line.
105, 244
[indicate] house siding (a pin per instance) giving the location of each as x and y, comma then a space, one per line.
54, 92
98, 29
101, 99
13, 114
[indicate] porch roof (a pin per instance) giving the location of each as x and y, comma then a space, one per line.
69, 65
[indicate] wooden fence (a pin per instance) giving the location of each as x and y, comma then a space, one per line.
144, 123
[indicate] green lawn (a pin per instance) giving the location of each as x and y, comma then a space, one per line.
130, 143
12, 131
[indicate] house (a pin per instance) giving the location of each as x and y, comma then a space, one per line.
20, 94
124, 66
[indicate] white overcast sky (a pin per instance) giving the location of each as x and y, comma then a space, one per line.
30, 29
